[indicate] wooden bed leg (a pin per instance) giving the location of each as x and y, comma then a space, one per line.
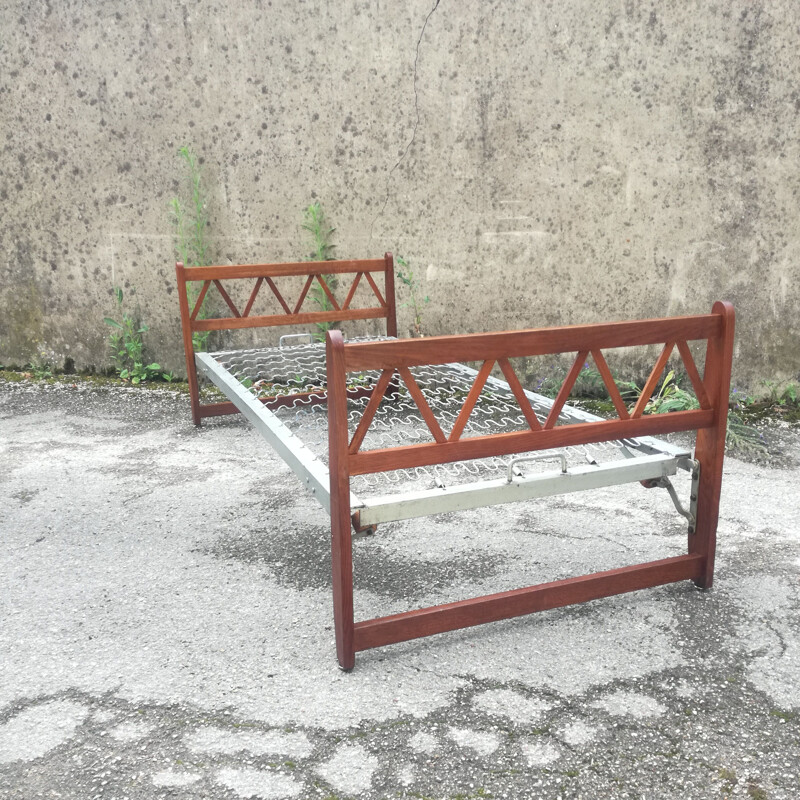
710, 447
341, 537
391, 312
188, 346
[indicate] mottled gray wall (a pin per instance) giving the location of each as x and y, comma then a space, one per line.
538, 163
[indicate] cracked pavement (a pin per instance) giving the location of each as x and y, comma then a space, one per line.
167, 630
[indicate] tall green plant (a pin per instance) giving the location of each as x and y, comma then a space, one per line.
416, 301
320, 234
190, 222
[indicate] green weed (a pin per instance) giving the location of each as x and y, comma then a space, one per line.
416, 301
41, 367
729, 779
778, 395
190, 221
670, 397
756, 792
126, 346
320, 234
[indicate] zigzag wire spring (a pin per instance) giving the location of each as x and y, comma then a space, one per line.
279, 372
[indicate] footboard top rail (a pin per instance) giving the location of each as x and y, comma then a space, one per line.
316, 302
395, 359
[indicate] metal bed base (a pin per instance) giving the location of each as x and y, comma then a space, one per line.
659, 461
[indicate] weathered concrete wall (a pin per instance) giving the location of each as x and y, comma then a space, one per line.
536, 163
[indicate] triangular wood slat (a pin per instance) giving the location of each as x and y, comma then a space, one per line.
303, 294
280, 298
284, 304
253, 295
565, 390
199, 303
519, 394
227, 299
611, 386
652, 381
422, 405
328, 292
469, 403
352, 291
369, 412
376, 290
694, 376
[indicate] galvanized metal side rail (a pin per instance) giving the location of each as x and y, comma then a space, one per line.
290, 448
388, 508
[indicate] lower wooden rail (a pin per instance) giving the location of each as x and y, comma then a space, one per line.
504, 605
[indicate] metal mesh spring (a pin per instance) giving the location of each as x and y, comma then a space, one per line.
300, 369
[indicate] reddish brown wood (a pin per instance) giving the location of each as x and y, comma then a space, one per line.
376, 291
341, 539
327, 289
694, 376
303, 294
252, 298
710, 445
519, 394
351, 293
277, 294
536, 342
469, 403
503, 444
390, 357
226, 297
611, 386
266, 273
188, 345
710, 422
227, 272
199, 302
566, 388
235, 323
490, 608
391, 306
369, 411
652, 381
422, 405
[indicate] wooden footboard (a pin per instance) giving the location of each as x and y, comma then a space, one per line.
394, 361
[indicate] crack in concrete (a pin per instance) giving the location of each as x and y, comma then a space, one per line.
779, 636
414, 130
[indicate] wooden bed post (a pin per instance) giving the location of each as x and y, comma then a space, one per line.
391, 312
341, 536
710, 446
188, 345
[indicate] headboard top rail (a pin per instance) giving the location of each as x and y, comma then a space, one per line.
230, 271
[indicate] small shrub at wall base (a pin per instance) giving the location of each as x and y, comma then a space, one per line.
740, 435
126, 347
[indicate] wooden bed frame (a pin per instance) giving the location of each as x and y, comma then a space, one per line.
394, 359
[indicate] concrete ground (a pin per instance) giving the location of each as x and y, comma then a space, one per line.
166, 630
